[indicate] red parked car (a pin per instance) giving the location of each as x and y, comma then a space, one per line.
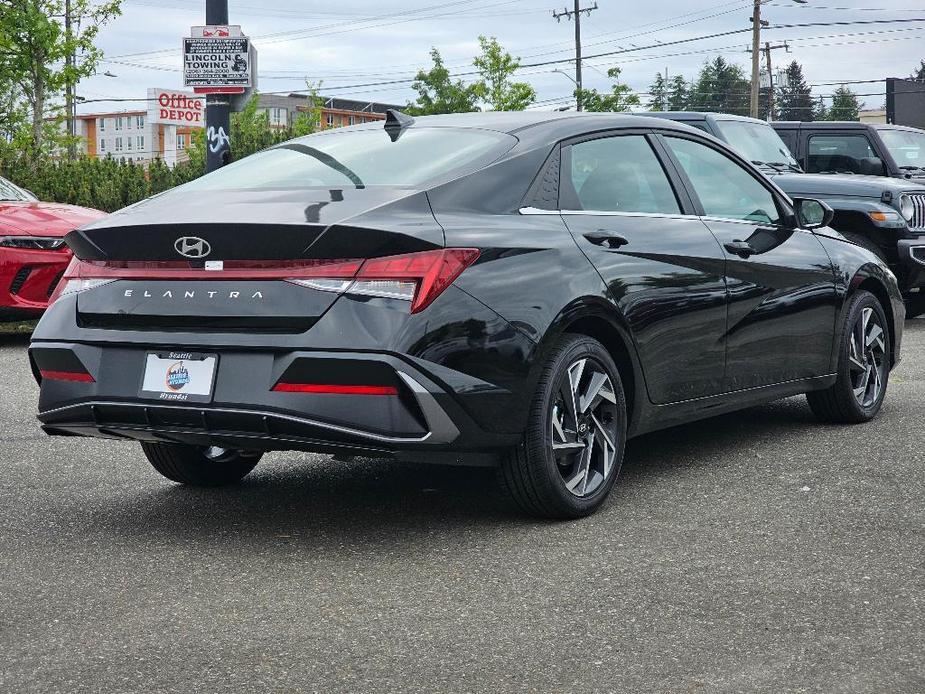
32, 252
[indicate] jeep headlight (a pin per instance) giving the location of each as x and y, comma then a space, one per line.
906, 208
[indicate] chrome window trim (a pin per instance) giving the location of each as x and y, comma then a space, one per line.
607, 213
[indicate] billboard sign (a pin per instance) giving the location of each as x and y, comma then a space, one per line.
175, 107
218, 63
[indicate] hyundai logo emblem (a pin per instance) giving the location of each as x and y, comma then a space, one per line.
192, 247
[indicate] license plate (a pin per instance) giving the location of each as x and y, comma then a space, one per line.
179, 376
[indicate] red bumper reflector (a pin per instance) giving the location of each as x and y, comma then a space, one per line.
67, 376
334, 389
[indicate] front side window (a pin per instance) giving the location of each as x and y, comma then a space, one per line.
337, 158
726, 190
840, 154
617, 174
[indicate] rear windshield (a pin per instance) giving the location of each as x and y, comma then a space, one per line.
362, 158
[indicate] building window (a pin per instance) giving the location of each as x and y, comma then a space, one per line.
181, 141
139, 122
140, 142
128, 143
353, 120
118, 144
102, 125
102, 145
329, 119
119, 123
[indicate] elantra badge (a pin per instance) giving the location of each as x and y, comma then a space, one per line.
192, 247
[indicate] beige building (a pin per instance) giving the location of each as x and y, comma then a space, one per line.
129, 135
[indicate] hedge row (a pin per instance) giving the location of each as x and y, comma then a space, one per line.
104, 184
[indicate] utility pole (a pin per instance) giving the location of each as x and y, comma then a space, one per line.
218, 106
70, 105
576, 15
756, 57
767, 54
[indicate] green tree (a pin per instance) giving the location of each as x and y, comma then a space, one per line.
438, 93
845, 105
619, 98
795, 100
919, 73
679, 94
658, 93
720, 87
34, 45
496, 87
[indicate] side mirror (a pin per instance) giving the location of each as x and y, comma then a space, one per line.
870, 166
812, 214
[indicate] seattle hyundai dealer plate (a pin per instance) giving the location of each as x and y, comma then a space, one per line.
181, 376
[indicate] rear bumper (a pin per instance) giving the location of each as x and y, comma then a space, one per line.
422, 420
28, 278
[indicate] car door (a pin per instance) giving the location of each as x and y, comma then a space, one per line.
781, 283
661, 264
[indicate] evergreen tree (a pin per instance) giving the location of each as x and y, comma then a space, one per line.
919, 73
720, 87
658, 93
795, 99
845, 105
679, 94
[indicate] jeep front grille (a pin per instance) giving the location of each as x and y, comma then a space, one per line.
917, 223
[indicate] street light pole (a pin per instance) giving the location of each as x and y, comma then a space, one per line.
218, 106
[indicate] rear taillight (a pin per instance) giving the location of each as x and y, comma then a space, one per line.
415, 277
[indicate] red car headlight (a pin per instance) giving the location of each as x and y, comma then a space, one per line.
32, 243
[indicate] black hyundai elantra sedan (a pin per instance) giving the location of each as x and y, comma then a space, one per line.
520, 290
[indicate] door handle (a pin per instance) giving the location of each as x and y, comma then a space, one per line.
743, 249
607, 239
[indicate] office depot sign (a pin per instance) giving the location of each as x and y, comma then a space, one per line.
172, 107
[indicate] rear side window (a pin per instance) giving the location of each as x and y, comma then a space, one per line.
360, 158
617, 174
725, 188
839, 154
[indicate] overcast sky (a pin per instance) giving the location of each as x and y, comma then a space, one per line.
358, 42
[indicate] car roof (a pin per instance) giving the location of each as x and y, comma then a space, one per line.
821, 125
563, 123
702, 116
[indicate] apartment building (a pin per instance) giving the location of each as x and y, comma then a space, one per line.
131, 136
335, 112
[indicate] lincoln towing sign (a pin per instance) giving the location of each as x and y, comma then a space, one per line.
218, 59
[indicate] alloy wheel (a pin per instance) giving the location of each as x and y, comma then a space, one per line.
867, 358
584, 427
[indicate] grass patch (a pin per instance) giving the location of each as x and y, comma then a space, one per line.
21, 328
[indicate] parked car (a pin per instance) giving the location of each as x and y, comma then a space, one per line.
849, 147
33, 255
884, 215
524, 290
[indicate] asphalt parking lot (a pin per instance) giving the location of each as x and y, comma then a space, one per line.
754, 552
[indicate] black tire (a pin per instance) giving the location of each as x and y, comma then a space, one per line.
533, 474
190, 464
840, 403
864, 242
